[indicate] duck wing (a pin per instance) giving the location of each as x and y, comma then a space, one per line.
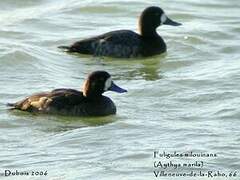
55, 100
122, 43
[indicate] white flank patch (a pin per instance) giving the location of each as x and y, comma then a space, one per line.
108, 84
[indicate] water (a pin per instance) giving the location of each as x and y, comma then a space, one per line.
186, 100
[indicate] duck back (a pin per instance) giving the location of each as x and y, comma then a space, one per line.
119, 44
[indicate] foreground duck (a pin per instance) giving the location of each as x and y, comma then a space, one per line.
88, 102
126, 43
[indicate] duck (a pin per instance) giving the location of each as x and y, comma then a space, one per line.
71, 102
127, 43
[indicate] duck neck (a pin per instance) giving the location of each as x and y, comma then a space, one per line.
93, 96
148, 32
90, 93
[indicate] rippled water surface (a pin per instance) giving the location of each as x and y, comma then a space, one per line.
185, 100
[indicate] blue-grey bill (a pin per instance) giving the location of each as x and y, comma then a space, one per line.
116, 88
171, 22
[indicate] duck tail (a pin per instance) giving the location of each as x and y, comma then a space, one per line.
65, 48
11, 106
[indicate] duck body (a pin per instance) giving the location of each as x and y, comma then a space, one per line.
66, 102
71, 102
120, 44
126, 43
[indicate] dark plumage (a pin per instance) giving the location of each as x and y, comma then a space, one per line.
89, 102
126, 43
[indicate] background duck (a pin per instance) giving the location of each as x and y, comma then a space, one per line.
88, 102
126, 43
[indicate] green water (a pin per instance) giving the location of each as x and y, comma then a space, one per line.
185, 100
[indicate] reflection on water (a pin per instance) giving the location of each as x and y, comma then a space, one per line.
56, 123
139, 68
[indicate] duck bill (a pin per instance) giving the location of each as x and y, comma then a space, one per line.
116, 88
171, 22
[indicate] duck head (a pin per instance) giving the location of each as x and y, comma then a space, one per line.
151, 18
99, 82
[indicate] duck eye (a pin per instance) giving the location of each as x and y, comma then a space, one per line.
101, 79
